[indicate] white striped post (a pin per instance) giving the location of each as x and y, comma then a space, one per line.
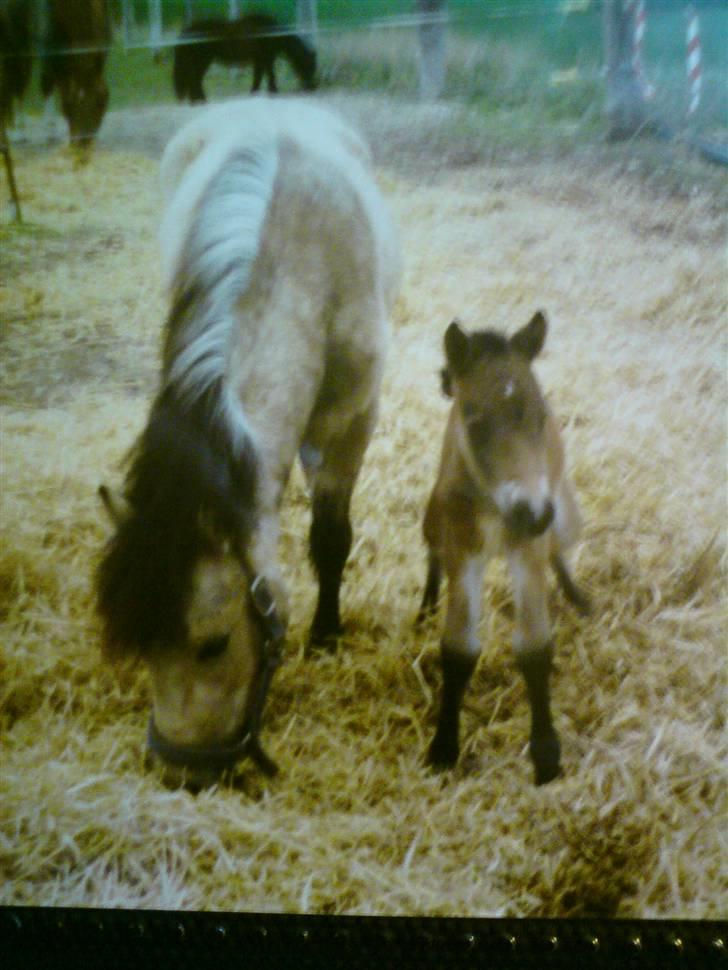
693, 63
638, 12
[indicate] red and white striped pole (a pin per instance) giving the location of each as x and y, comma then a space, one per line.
639, 24
693, 63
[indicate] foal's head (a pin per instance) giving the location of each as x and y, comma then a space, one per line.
174, 590
501, 420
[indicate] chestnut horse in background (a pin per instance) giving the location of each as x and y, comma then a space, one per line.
75, 47
255, 39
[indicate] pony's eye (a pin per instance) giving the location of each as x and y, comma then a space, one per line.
214, 647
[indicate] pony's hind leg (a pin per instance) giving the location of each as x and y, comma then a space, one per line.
330, 536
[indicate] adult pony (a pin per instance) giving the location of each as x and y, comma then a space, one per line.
282, 267
75, 48
501, 488
16, 64
255, 38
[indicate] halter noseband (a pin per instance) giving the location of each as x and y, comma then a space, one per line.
219, 757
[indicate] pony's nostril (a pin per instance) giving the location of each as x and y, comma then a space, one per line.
548, 515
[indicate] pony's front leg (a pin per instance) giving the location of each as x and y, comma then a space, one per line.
534, 652
459, 652
331, 533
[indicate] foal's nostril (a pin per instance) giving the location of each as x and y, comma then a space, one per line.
522, 522
520, 519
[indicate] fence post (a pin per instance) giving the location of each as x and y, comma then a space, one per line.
155, 26
306, 20
432, 32
625, 103
233, 9
127, 20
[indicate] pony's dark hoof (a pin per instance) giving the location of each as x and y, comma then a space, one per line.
442, 754
323, 640
546, 758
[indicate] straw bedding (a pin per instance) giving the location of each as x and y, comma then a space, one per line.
634, 365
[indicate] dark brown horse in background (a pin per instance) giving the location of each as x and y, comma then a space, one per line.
75, 48
256, 39
16, 65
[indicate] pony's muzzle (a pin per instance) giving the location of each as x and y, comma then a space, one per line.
198, 766
522, 522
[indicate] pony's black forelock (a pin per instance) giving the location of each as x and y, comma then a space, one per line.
186, 483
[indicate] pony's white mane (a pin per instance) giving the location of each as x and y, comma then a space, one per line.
217, 175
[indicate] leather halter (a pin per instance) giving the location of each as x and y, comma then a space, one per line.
219, 757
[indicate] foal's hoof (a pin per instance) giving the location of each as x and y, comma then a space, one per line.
443, 753
546, 758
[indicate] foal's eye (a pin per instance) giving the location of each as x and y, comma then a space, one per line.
480, 429
519, 412
214, 647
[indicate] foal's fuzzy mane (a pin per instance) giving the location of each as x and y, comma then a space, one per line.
481, 342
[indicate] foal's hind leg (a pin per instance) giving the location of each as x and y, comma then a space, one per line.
330, 537
574, 594
432, 588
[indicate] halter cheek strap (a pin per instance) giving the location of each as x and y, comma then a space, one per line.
219, 757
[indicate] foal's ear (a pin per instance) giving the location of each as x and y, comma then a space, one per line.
457, 349
530, 339
116, 506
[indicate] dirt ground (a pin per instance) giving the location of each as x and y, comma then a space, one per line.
631, 273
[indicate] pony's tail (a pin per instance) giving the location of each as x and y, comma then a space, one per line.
212, 232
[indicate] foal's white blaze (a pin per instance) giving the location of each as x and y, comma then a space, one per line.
508, 494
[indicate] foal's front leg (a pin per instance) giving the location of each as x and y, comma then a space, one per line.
534, 652
459, 650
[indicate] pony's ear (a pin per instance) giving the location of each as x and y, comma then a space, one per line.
530, 339
457, 350
116, 506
